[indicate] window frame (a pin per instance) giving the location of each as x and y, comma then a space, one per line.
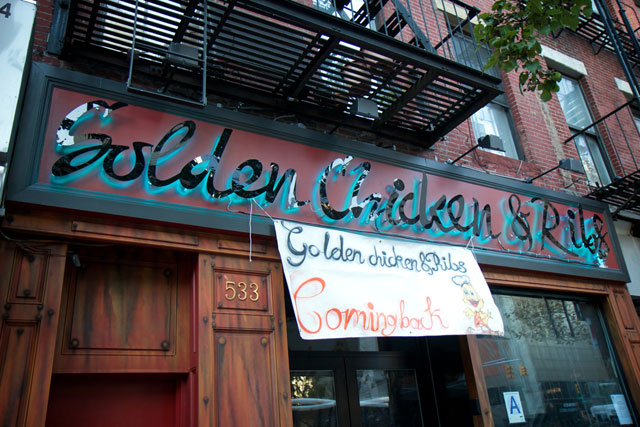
501, 100
599, 303
593, 133
460, 41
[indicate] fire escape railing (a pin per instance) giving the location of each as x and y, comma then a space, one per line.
618, 129
620, 133
401, 69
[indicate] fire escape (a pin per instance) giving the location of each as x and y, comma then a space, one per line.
618, 33
389, 67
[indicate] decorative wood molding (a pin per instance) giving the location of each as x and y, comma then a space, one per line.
625, 333
476, 385
28, 328
78, 226
534, 280
138, 232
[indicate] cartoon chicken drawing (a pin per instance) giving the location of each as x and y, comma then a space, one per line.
475, 303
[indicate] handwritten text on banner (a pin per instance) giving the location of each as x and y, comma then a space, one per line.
349, 285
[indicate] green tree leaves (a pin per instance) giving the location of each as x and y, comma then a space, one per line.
512, 29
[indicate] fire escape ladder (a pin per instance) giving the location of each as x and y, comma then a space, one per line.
368, 11
419, 38
605, 32
629, 40
178, 54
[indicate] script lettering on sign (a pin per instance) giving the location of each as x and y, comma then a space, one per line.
114, 148
348, 285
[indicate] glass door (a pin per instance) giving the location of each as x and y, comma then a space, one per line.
410, 381
358, 389
385, 390
318, 384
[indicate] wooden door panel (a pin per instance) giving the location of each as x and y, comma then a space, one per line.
244, 380
27, 278
619, 311
238, 290
248, 368
114, 400
114, 305
30, 289
17, 349
126, 311
226, 321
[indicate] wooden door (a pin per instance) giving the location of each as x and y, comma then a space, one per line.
30, 287
125, 310
123, 355
244, 374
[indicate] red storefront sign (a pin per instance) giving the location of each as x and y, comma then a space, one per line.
125, 151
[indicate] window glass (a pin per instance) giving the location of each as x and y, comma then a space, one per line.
313, 398
388, 397
636, 120
493, 119
553, 367
573, 104
591, 158
576, 112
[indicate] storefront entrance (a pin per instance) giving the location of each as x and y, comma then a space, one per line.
351, 388
376, 381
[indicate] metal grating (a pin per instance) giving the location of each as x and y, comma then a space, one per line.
288, 56
605, 32
593, 29
623, 194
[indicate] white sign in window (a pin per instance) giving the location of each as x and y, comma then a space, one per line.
622, 411
512, 402
351, 285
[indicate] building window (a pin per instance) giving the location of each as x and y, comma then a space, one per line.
494, 118
556, 358
345, 9
635, 115
636, 120
576, 112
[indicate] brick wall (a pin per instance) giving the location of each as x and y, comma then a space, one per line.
44, 16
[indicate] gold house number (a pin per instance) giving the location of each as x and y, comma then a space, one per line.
239, 291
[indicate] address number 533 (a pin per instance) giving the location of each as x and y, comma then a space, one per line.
241, 291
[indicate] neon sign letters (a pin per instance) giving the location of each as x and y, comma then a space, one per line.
100, 138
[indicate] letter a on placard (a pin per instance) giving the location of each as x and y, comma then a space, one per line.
514, 407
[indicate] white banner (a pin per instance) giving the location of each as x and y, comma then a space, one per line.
350, 285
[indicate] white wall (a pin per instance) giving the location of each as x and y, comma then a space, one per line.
631, 249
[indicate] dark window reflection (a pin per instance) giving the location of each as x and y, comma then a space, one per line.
313, 398
555, 355
388, 397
